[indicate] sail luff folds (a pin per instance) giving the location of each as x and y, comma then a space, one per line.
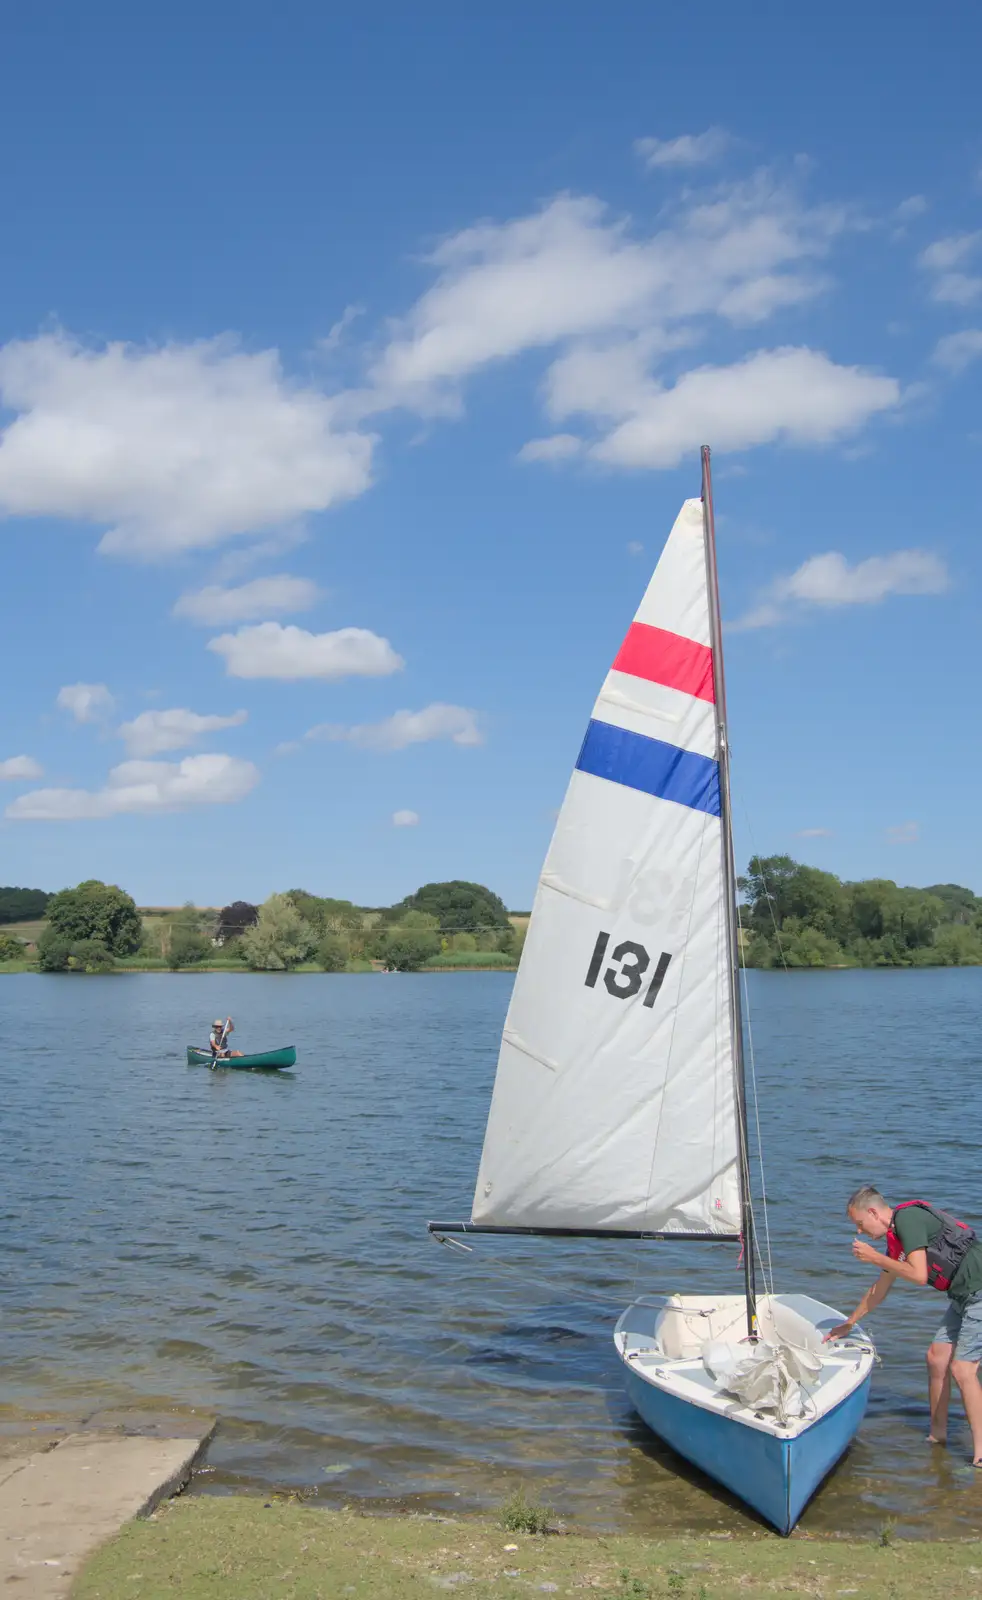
613, 1104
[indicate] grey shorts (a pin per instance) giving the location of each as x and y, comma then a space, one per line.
963, 1329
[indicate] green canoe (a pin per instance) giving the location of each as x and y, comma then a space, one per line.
269, 1060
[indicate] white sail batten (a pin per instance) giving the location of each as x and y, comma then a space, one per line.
614, 1102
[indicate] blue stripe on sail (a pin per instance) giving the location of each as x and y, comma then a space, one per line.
650, 765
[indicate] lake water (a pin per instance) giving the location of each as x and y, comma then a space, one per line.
257, 1245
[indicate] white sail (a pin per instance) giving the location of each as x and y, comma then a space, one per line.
614, 1101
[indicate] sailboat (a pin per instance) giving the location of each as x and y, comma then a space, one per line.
619, 1108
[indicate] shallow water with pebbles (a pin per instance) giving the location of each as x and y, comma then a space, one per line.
257, 1245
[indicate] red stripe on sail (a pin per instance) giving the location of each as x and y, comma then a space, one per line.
667, 658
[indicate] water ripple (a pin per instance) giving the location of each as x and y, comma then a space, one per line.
257, 1245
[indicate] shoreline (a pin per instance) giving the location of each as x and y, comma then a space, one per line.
17, 968
309, 970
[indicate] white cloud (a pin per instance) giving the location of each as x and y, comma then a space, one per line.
904, 833
604, 380
143, 788
944, 254
20, 767
688, 150
829, 580
571, 272
234, 562
404, 728
635, 547
797, 395
560, 447
276, 595
957, 288
405, 819
914, 206
814, 833
270, 650
153, 732
87, 702
956, 351
169, 449
334, 337
944, 258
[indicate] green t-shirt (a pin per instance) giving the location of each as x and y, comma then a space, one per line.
916, 1229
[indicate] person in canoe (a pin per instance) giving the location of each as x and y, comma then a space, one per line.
218, 1038
926, 1246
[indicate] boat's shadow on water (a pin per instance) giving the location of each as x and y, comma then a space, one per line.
564, 1348
567, 1347
661, 1462
267, 1074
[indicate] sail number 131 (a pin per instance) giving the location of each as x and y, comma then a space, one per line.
629, 964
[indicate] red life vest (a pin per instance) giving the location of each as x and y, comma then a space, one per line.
947, 1250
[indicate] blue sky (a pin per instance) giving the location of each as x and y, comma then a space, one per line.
353, 366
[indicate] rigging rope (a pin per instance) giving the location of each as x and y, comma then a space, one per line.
769, 1274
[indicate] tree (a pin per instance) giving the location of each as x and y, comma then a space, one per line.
187, 946
408, 949
234, 919
11, 949
960, 904
776, 887
459, 907
22, 905
326, 915
953, 946
89, 955
333, 952
53, 951
280, 939
810, 947
795, 915
94, 910
420, 921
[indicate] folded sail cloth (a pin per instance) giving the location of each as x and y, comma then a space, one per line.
775, 1378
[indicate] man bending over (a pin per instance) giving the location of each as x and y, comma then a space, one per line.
926, 1246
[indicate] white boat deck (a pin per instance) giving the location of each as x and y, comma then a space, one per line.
663, 1343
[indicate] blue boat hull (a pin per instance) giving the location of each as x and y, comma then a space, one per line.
777, 1477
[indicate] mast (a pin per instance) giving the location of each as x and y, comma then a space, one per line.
729, 875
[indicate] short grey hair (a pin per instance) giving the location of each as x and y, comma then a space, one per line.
865, 1197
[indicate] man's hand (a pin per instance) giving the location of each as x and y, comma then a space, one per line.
867, 1252
838, 1332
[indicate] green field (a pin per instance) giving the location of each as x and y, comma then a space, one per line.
28, 931
210, 1548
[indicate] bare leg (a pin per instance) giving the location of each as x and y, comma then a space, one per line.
965, 1374
939, 1389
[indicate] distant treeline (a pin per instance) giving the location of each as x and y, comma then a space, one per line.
798, 916
792, 916
22, 905
97, 927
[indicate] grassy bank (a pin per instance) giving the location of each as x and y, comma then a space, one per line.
246, 1549
450, 961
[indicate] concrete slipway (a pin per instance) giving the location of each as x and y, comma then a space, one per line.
63, 1493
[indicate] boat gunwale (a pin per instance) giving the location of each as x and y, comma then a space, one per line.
260, 1060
